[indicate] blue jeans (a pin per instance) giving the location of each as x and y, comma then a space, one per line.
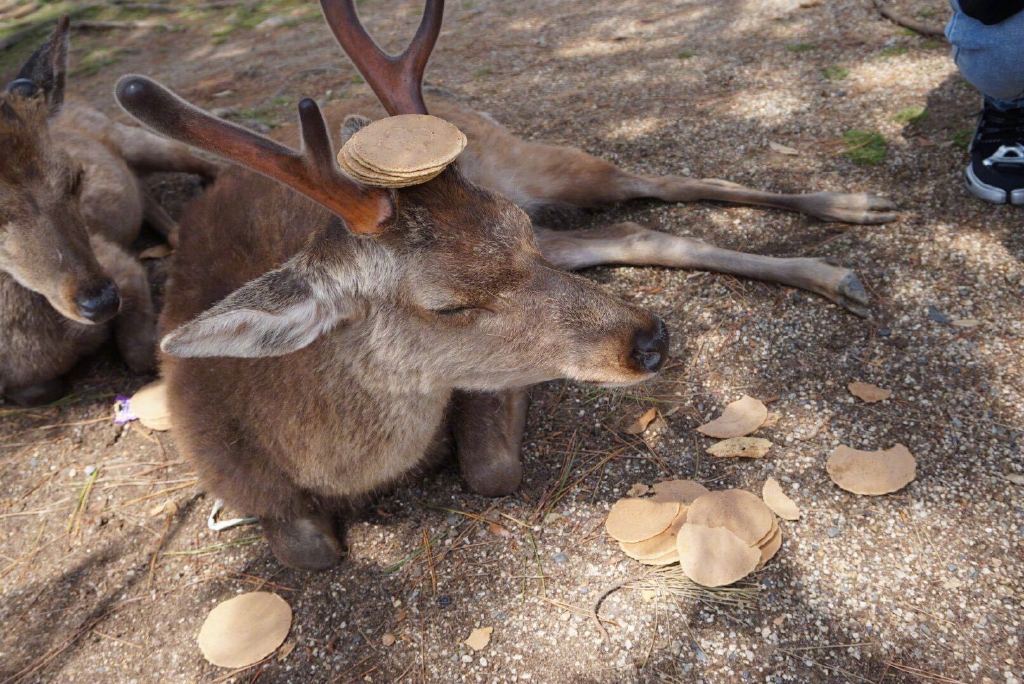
991, 58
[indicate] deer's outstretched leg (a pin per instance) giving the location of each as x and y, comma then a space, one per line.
488, 431
630, 243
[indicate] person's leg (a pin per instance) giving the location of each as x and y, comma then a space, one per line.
991, 58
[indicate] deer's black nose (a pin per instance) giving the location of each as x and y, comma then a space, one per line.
650, 346
98, 303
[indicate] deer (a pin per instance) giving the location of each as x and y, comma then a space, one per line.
350, 335
71, 202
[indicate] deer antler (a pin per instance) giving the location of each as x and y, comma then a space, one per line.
311, 171
396, 80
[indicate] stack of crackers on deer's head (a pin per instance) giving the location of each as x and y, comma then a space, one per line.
400, 151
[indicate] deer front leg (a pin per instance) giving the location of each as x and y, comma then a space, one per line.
630, 243
135, 324
488, 431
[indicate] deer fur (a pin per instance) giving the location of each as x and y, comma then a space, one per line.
316, 364
70, 203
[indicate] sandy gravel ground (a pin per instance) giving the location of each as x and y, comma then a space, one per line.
923, 585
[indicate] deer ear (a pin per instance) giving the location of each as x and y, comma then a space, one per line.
351, 125
46, 70
279, 313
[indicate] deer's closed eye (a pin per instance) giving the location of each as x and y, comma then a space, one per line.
456, 310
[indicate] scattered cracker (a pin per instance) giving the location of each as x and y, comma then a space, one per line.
634, 520
739, 419
479, 638
245, 629
776, 499
868, 393
714, 556
872, 472
740, 447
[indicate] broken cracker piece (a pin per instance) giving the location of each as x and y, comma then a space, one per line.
872, 473
740, 447
776, 499
868, 393
739, 419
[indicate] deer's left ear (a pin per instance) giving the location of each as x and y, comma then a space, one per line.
45, 72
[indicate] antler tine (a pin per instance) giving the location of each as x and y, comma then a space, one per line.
396, 80
312, 171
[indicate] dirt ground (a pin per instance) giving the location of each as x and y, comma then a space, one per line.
101, 579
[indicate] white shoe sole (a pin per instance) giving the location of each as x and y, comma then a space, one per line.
990, 193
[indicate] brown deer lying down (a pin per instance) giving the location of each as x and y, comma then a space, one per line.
69, 203
312, 360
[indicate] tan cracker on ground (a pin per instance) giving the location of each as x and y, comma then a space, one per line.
740, 447
776, 499
872, 472
739, 419
714, 556
245, 629
149, 405
634, 520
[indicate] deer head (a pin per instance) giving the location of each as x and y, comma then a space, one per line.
442, 281
44, 245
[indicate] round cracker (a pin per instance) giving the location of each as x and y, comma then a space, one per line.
739, 511
634, 520
714, 556
408, 142
768, 535
659, 544
872, 472
684, 491
245, 629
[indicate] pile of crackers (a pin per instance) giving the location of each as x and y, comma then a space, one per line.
400, 151
717, 537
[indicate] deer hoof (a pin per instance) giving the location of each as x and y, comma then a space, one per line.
860, 208
852, 296
494, 478
304, 543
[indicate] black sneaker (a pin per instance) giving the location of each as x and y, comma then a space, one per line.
996, 171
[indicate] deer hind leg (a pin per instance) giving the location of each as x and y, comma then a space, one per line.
147, 152
560, 176
488, 432
630, 243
